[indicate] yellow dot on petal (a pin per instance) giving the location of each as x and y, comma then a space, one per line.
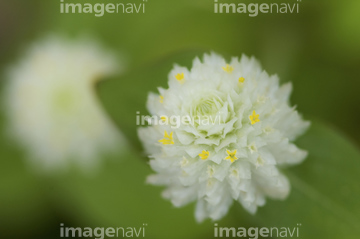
204, 154
231, 155
228, 68
168, 138
254, 118
241, 80
161, 99
179, 76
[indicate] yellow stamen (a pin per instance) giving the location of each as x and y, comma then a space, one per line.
168, 139
228, 68
163, 118
254, 118
241, 80
204, 154
161, 99
231, 155
179, 76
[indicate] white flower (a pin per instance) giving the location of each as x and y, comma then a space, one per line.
235, 157
52, 106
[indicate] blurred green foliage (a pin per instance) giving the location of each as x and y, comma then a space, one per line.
318, 50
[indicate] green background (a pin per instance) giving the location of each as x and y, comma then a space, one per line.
318, 50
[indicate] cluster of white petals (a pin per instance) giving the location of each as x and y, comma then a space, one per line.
238, 156
52, 106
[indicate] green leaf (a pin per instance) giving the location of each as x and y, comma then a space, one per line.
325, 189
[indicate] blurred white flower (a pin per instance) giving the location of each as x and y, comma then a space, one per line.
238, 154
52, 106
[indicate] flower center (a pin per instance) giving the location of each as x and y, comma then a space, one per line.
208, 107
64, 100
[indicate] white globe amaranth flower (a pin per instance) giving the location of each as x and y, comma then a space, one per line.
52, 106
238, 154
